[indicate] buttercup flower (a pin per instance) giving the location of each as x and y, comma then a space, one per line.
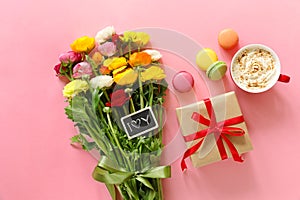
83, 45
155, 55
83, 68
70, 57
97, 58
153, 73
115, 63
107, 62
118, 98
105, 34
101, 81
128, 36
107, 49
115, 38
139, 59
141, 38
104, 70
57, 68
124, 76
75, 87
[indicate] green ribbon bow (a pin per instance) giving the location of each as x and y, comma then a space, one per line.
112, 176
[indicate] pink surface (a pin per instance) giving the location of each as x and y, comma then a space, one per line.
37, 161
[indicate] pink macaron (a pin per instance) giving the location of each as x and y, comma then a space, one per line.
183, 81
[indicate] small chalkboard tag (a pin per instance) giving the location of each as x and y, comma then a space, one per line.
139, 123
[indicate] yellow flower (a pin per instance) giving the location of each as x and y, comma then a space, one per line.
141, 38
115, 63
107, 62
139, 59
124, 76
83, 45
128, 36
75, 87
153, 73
119, 70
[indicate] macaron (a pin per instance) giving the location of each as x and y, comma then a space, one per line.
228, 38
216, 70
205, 58
183, 81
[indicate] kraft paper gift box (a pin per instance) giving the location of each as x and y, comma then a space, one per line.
214, 130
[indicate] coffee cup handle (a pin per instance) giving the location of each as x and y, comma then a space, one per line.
284, 78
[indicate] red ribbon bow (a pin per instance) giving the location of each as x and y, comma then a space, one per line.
219, 129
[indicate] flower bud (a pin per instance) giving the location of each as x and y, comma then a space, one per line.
106, 109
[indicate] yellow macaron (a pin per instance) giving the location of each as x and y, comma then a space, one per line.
205, 58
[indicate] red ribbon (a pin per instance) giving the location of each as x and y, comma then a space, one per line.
219, 129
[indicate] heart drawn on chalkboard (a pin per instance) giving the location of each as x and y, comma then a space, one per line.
136, 123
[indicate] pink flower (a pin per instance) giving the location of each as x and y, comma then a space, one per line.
107, 49
81, 69
70, 57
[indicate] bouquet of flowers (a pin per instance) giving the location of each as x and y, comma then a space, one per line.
115, 93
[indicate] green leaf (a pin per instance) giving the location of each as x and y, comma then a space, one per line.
131, 193
95, 99
75, 139
78, 109
112, 191
151, 194
86, 145
68, 112
145, 182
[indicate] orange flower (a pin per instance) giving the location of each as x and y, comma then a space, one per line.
97, 58
139, 59
104, 70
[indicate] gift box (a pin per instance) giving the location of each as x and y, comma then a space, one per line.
213, 129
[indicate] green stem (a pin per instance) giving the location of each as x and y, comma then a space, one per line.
97, 140
121, 50
151, 94
132, 105
129, 48
161, 124
68, 76
101, 113
159, 187
141, 89
117, 141
106, 95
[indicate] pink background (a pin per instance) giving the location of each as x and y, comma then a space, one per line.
37, 161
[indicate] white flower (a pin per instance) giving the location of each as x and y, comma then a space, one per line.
101, 81
155, 55
105, 34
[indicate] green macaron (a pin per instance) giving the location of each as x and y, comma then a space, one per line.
216, 70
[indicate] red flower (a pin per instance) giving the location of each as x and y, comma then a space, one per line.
118, 98
115, 38
57, 68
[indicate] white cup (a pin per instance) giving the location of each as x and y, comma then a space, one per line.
255, 68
